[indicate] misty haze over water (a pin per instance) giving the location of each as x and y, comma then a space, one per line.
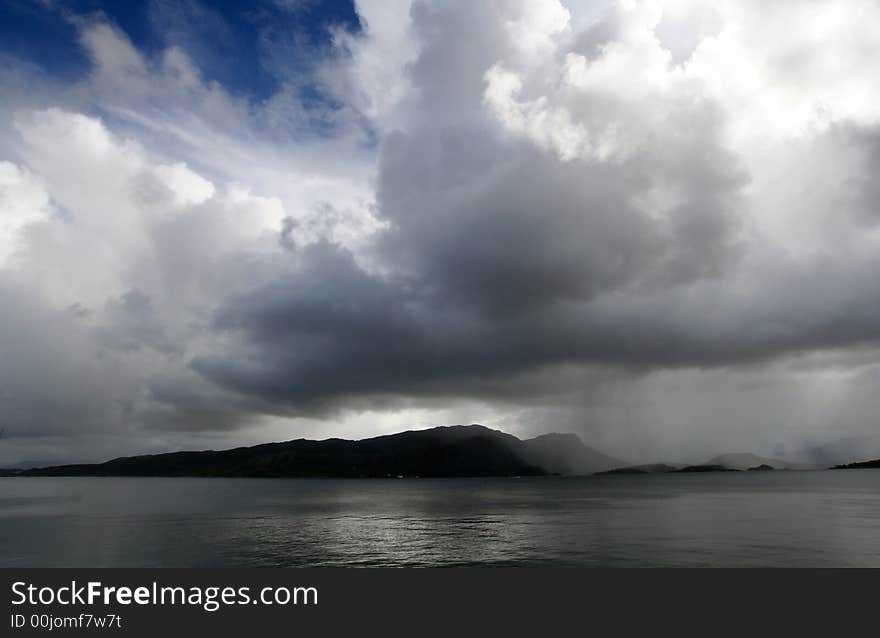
789, 518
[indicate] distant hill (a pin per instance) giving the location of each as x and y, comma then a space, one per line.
462, 450
863, 465
746, 460
721, 463
566, 454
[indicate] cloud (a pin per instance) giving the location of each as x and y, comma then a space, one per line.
521, 207
614, 217
23, 202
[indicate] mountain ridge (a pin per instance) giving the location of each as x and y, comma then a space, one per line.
443, 451
736, 461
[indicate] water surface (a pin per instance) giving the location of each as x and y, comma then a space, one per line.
790, 518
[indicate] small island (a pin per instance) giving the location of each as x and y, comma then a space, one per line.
707, 468
863, 465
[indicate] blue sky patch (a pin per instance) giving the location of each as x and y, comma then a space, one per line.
251, 48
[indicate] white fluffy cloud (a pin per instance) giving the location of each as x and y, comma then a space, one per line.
775, 72
22, 201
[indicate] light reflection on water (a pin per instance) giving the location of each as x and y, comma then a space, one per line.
747, 519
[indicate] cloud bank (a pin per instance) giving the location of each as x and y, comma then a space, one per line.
656, 223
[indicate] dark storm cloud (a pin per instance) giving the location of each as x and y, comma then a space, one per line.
327, 335
513, 267
505, 260
502, 258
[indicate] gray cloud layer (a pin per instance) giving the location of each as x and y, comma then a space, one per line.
560, 212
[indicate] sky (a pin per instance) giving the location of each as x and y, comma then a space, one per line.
655, 223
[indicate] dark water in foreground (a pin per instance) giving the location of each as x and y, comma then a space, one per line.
736, 519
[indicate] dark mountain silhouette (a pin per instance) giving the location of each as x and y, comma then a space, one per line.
863, 465
471, 450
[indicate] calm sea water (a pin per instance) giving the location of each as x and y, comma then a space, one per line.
736, 519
